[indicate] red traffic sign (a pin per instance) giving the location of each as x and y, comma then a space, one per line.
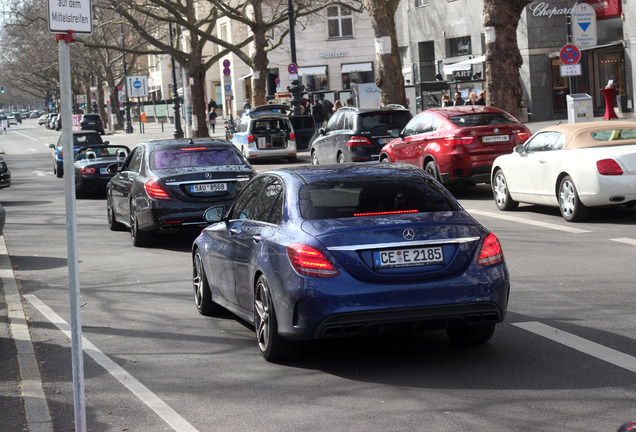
226, 63
226, 71
292, 68
570, 54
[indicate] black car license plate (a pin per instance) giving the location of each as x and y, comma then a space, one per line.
408, 257
208, 187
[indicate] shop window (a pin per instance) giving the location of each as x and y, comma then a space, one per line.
339, 22
458, 46
315, 82
356, 78
421, 3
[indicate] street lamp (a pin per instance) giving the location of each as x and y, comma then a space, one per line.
296, 87
129, 128
178, 132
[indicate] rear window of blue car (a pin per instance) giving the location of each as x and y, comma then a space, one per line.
186, 157
369, 197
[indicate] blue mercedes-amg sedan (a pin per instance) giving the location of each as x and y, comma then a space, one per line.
349, 250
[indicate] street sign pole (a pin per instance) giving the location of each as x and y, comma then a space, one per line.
569, 26
71, 231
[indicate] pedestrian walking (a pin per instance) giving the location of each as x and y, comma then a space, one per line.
316, 112
446, 102
482, 98
472, 98
212, 119
459, 100
5, 124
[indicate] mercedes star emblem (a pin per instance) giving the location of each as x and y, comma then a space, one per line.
408, 234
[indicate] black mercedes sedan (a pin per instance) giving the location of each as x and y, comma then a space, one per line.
167, 185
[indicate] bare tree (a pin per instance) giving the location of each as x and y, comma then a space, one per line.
390, 79
503, 59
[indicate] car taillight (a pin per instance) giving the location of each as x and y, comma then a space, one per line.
491, 252
523, 136
458, 140
358, 141
250, 138
82, 123
155, 191
310, 261
87, 171
608, 167
292, 136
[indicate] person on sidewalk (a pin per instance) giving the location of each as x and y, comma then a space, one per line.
212, 119
5, 123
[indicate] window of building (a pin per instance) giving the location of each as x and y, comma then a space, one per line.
339, 22
357, 73
421, 3
314, 78
458, 46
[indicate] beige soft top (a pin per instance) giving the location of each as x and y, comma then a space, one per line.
578, 135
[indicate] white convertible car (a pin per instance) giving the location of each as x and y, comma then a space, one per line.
572, 166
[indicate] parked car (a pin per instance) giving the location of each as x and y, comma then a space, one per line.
95, 166
42, 119
92, 122
80, 139
12, 120
18, 116
51, 121
34, 114
5, 174
266, 131
58, 123
319, 252
572, 166
167, 185
357, 135
456, 145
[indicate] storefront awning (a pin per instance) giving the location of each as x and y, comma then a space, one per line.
463, 65
312, 70
357, 67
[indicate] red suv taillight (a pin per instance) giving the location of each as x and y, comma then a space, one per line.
608, 167
358, 141
250, 138
310, 261
458, 140
524, 136
155, 191
491, 252
292, 136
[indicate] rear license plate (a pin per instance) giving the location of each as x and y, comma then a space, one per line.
103, 170
408, 257
495, 138
208, 187
384, 140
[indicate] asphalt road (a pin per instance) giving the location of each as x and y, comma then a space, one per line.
565, 359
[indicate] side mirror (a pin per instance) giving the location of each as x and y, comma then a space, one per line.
106, 142
519, 149
214, 214
395, 133
52, 146
321, 131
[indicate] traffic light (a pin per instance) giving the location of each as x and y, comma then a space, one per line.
2, 90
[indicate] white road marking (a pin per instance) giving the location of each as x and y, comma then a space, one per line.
625, 240
142, 392
517, 219
26, 136
41, 173
593, 349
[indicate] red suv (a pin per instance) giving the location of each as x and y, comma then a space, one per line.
456, 145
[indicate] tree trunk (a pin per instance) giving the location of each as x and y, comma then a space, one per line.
114, 105
390, 78
503, 59
196, 71
259, 59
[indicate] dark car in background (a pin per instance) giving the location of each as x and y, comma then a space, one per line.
80, 139
167, 185
95, 166
5, 174
339, 251
92, 122
456, 145
357, 135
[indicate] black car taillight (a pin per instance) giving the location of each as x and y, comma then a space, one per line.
358, 141
155, 191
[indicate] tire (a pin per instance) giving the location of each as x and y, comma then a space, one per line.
113, 225
501, 194
202, 295
431, 169
570, 205
341, 158
473, 335
385, 159
314, 158
271, 345
139, 238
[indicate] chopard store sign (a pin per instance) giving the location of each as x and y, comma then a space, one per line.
603, 8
